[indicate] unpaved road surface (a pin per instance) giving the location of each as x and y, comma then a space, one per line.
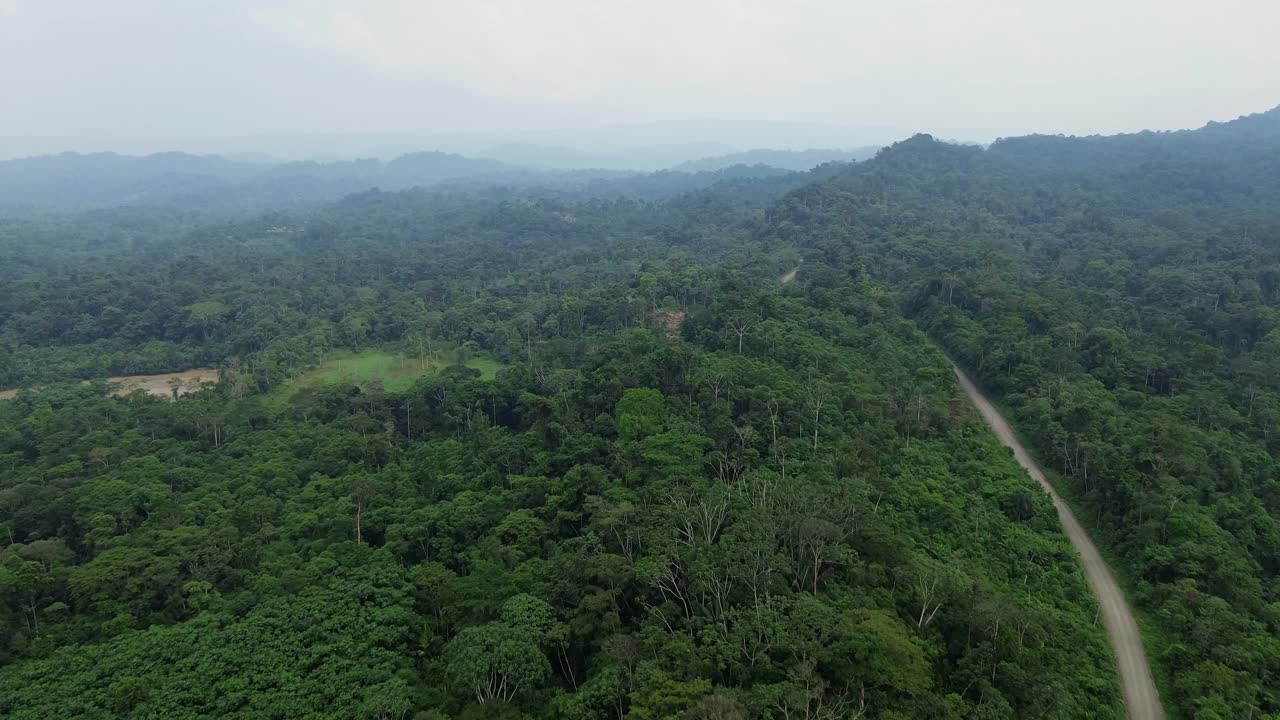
153, 384
1141, 700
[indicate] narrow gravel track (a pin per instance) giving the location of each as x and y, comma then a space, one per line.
1141, 700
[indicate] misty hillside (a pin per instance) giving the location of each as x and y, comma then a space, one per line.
213, 184
75, 181
797, 160
643, 158
1221, 170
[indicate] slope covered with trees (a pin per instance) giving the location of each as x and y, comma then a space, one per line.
1122, 296
220, 189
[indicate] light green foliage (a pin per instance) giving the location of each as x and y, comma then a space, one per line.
395, 372
640, 413
342, 627
662, 697
495, 661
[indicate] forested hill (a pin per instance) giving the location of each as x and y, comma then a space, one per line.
1216, 145
1219, 172
570, 450
1215, 174
1121, 296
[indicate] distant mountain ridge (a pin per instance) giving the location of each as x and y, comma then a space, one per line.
1194, 159
73, 181
1099, 152
795, 160
1220, 170
643, 158
215, 184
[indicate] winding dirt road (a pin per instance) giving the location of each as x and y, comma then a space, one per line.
1141, 700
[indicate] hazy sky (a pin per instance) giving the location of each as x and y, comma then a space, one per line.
175, 73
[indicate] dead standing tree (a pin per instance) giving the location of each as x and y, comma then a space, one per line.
740, 326
931, 582
816, 395
775, 416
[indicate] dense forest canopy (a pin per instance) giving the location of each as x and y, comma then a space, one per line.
570, 449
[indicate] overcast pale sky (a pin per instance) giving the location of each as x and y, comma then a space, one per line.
176, 73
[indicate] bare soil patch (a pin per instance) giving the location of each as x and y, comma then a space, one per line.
671, 322
161, 384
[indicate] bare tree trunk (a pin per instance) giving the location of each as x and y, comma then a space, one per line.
740, 327
815, 398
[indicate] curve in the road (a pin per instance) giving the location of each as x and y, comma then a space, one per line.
1141, 700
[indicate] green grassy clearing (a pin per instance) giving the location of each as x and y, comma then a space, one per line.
395, 370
